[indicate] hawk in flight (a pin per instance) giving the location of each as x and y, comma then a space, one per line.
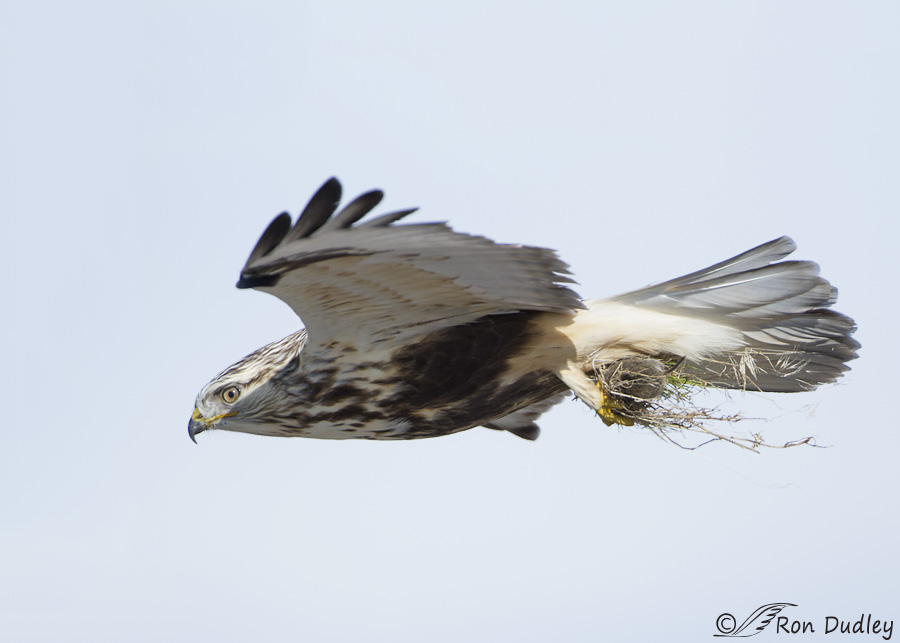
415, 331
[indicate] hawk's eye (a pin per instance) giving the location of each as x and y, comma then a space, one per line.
231, 394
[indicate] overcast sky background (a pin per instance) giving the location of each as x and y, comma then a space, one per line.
145, 146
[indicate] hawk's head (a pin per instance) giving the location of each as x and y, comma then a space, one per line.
241, 397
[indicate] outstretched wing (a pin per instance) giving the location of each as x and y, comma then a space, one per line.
377, 282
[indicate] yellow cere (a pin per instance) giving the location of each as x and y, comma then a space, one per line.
200, 418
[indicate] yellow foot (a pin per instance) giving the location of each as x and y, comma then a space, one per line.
609, 410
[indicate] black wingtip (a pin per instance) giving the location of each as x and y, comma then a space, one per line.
257, 282
317, 217
355, 210
330, 192
320, 207
332, 185
271, 237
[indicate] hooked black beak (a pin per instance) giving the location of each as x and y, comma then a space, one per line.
199, 424
196, 425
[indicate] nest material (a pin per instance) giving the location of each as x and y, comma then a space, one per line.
660, 395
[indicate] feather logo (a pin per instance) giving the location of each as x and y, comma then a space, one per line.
755, 623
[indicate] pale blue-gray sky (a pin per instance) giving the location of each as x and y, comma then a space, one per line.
146, 145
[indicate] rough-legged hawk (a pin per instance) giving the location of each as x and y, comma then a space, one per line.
414, 331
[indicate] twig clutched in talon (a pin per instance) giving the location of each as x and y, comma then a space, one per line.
659, 395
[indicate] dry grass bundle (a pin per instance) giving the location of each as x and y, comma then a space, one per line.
661, 395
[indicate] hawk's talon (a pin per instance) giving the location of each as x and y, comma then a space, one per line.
609, 410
